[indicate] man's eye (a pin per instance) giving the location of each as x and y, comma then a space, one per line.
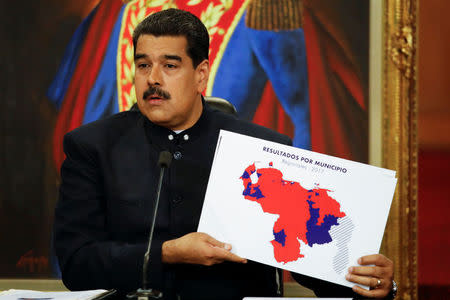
171, 66
143, 66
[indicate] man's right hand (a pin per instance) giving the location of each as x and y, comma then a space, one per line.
198, 248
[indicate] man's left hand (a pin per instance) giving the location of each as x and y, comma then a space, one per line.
376, 271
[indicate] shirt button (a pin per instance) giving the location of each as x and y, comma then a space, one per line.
170, 137
177, 199
177, 155
186, 137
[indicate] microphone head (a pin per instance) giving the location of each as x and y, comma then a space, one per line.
165, 158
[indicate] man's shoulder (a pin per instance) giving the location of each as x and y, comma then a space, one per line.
232, 123
105, 129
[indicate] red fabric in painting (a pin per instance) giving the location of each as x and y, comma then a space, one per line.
89, 64
271, 114
337, 103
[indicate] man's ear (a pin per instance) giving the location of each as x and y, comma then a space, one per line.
202, 75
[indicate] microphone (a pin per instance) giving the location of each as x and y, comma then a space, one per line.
165, 158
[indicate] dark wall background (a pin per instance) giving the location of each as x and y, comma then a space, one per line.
33, 37
434, 150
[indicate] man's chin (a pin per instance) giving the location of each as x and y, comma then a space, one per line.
158, 117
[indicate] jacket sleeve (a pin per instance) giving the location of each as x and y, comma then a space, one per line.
87, 255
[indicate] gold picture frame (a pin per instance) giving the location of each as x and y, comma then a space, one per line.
399, 138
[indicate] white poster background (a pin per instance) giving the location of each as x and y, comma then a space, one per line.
364, 192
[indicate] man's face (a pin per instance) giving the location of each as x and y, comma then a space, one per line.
168, 88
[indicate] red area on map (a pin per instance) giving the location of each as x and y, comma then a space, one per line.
291, 202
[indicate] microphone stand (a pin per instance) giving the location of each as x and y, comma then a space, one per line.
165, 158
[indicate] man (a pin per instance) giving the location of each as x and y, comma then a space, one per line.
109, 181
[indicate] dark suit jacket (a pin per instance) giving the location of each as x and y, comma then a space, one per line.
107, 193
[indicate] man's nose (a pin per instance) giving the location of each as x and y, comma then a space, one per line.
154, 77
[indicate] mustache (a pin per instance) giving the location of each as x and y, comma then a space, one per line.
154, 90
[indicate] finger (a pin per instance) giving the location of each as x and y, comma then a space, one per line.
217, 243
376, 293
368, 271
375, 259
222, 255
365, 280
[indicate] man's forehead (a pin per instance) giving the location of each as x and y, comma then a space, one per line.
148, 42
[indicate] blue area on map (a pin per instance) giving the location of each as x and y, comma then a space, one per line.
280, 236
259, 174
256, 191
318, 234
245, 175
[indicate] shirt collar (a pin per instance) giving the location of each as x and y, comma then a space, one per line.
165, 137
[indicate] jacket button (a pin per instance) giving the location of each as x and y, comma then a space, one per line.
177, 199
177, 155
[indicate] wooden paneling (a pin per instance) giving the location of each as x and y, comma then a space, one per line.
434, 145
434, 74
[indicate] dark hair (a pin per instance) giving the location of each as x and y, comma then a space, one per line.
176, 22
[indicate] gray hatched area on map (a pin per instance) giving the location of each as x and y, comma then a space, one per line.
341, 234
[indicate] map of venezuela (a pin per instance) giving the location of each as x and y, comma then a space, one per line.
307, 215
